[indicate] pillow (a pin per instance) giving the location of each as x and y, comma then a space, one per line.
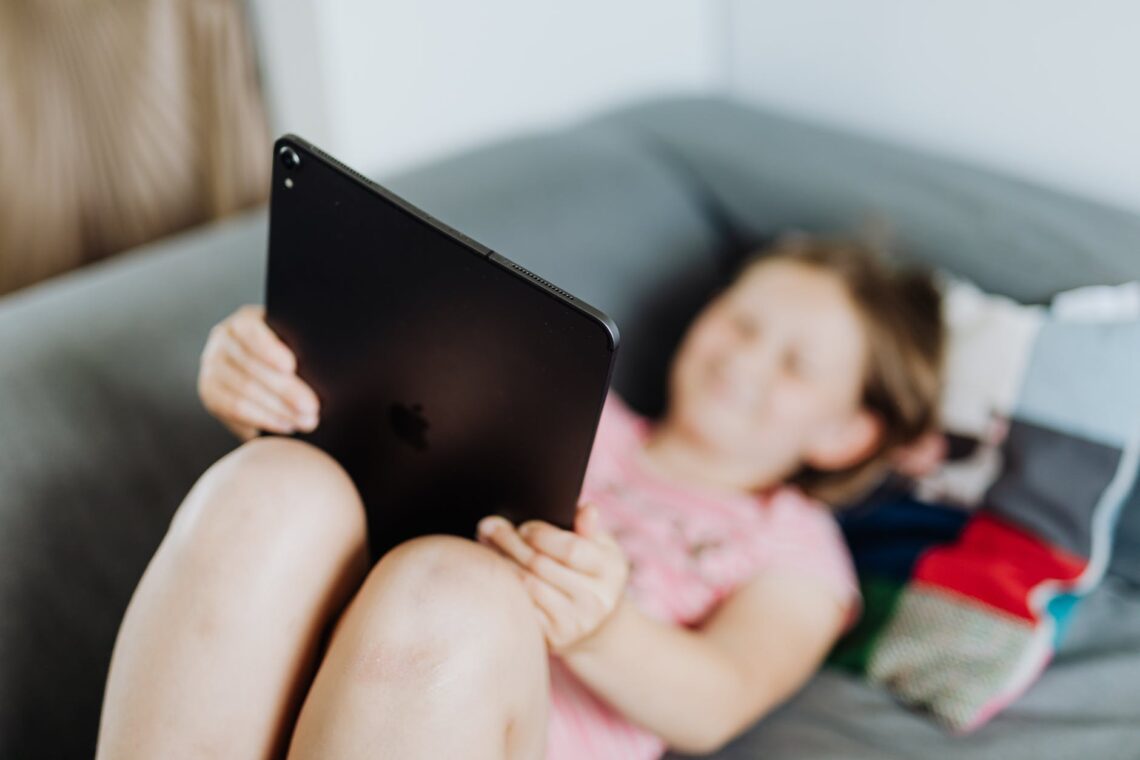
970, 573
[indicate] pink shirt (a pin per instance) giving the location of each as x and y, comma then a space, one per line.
688, 548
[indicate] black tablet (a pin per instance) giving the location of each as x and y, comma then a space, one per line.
453, 382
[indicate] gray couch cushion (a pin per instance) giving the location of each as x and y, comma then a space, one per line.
594, 211
1085, 705
766, 172
102, 437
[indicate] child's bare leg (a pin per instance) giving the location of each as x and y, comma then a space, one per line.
219, 640
438, 655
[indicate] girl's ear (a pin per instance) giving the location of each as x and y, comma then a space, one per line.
845, 444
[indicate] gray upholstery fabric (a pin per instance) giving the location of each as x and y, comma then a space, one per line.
102, 437
640, 212
594, 211
1085, 705
765, 172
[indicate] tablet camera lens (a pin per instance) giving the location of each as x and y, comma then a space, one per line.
289, 157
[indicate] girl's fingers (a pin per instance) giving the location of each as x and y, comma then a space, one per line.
249, 327
244, 432
244, 412
546, 624
566, 598
500, 532
572, 550
586, 521
292, 396
490, 544
245, 402
556, 605
251, 338
567, 581
247, 434
545, 621
243, 387
232, 373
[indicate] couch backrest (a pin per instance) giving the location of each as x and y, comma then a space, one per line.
764, 172
594, 210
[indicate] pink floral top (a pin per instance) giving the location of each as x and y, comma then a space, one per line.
688, 548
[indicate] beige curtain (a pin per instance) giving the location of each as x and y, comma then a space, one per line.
122, 121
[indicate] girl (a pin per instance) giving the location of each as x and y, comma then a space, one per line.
703, 583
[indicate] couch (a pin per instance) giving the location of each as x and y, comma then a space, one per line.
642, 211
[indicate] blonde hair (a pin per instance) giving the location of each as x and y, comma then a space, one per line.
901, 308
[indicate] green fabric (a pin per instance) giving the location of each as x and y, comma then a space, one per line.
880, 596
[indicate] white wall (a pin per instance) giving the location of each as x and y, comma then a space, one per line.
385, 85
292, 67
1046, 89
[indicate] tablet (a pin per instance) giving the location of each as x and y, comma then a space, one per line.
453, 382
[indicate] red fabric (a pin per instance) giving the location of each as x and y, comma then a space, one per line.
999, 564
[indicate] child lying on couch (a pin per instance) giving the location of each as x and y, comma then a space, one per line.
703, 584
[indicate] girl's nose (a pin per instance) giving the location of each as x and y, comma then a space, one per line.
747, 376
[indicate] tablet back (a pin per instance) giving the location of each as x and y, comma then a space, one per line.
453, 382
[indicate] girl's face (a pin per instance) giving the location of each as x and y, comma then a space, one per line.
769, 375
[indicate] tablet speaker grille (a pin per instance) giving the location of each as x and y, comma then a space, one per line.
363, 180
536, 278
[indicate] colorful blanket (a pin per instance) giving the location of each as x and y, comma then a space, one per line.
970, 574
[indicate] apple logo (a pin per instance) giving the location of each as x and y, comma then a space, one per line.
410, 424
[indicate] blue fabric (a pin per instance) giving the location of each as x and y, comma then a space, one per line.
887, 536
1084, 379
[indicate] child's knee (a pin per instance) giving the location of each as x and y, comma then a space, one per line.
270, 495
286, 467
451, 589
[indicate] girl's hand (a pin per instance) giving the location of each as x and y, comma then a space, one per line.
247, 378
575, 579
